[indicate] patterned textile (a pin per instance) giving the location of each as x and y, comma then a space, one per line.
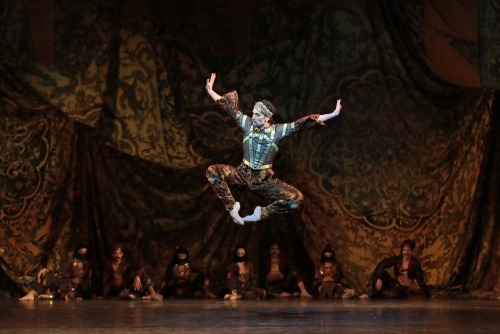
106, 132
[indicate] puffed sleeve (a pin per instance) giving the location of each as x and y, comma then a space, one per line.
303, 123
308, 122
229, 103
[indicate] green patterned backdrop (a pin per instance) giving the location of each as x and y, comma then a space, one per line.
106, 132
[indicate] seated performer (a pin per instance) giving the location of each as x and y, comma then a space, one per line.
124, 280
406, 269
241, 278
261, 138
280, 279
73, 281
328, 278
181, 280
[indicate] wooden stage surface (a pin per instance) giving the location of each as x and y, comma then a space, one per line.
290, 315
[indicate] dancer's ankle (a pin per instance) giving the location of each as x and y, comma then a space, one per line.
235, 214
255, 217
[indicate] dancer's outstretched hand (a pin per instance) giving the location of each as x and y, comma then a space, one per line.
337, 108
336, 112
210, 82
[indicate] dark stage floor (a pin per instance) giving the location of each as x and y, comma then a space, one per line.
294, 315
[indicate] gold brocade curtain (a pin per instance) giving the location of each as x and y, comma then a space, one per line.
106, 132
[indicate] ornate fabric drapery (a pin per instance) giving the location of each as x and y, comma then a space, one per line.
106, 131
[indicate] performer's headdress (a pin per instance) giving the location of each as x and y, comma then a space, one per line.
328, 249
80, 246
236, 258
409, 243
181, 249
118, 248
274, 243
261, 107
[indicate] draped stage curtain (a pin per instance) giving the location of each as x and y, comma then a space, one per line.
106, 132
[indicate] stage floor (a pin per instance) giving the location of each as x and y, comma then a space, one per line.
290, 315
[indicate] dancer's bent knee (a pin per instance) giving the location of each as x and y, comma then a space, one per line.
297, 201
212, 174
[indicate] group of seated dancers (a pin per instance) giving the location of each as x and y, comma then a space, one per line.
127, 280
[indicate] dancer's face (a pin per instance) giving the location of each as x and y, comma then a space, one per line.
274, 250
117, 254
407, 251
240, 252
259, 119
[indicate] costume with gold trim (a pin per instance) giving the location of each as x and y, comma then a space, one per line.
260, 146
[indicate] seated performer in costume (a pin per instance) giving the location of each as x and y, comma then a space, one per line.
73, 281
241, 277
261, 138
181, 280
406, 269
124, 280
280, 279
328, 278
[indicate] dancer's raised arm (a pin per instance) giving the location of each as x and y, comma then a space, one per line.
261, 138
210, 85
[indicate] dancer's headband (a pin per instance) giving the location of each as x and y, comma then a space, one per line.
263, 109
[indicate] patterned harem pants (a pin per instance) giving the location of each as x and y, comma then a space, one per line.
260, 182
